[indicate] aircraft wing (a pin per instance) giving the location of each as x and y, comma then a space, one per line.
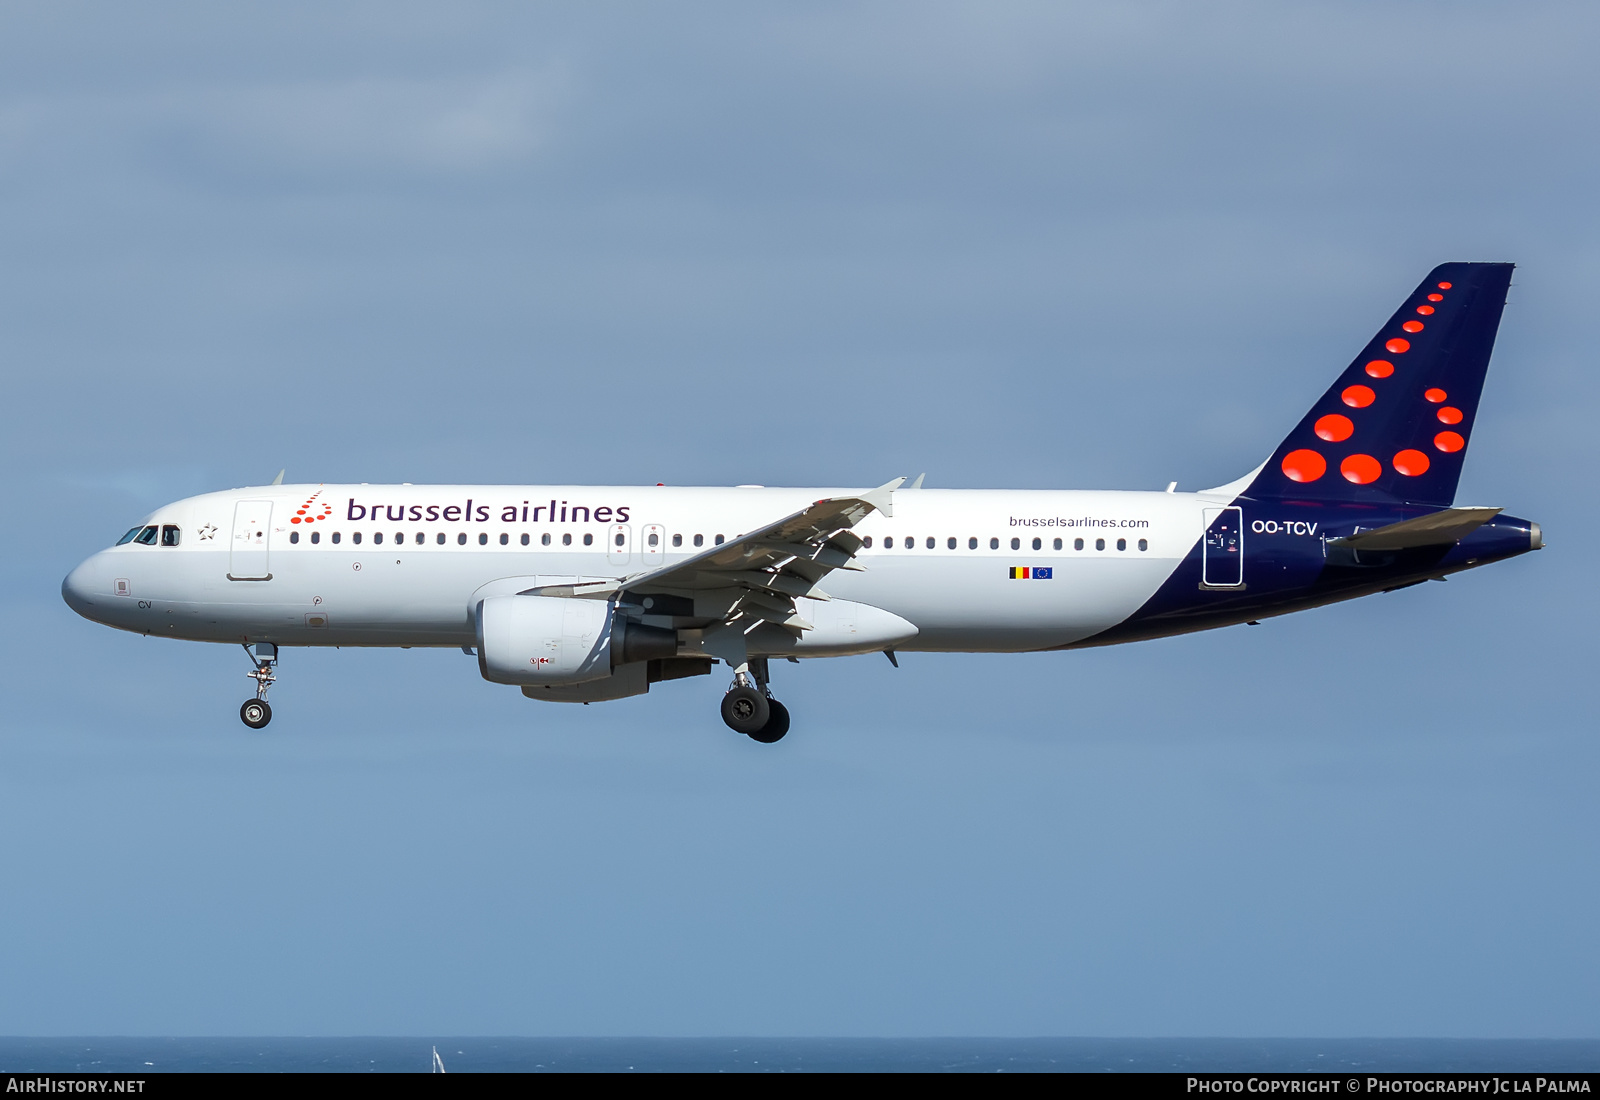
756, 577
1435, 529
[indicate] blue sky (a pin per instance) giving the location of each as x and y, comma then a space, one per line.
1007, 244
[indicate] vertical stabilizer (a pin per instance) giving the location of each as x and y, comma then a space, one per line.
1395, 426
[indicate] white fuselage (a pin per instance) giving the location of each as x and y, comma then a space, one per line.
402, 565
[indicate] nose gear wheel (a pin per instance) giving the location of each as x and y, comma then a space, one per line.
256, 713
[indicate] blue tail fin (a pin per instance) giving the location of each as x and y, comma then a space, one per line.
1395, 426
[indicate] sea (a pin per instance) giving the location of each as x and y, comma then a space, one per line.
124, 1055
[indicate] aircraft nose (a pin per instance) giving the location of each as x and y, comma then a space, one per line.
80, 588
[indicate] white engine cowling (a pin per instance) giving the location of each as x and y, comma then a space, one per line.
544, 639
558, 641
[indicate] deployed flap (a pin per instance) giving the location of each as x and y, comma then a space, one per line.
765, 571
1436, 529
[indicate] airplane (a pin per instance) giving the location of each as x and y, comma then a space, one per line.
582, 594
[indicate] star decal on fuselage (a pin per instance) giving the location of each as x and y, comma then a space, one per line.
207, 532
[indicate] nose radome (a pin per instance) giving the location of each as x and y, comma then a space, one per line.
79, 589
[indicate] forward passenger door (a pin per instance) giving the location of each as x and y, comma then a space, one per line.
247, 553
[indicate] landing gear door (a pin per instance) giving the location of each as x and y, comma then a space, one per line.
1222, 551
247, 556
618, 543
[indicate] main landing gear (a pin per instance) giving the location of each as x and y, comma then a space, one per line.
256, 713
749, 707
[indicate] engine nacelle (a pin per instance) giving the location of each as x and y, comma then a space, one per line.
561, 640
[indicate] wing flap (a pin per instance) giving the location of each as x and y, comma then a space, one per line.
766, 570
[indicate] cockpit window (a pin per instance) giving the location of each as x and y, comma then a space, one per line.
147, 537
169, 535
129, 536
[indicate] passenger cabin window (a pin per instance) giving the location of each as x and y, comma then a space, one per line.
972, 544
1016, 544
588, 539
677, 540
524, 538
377, 538
129, 536
699, 540
169, 535
461, 539
719, 540
335, 538
147, 536
654, 540
483, 538
932, 542
867, 542
439, 538
566, 539
1057, 544
356, 538
294, 537
994, 544
316, 537
1144, 544
544, 539
400, 538
421, 538
1077, 544
1038, 544
1122, 544
620, 539
505, 539
1099, 544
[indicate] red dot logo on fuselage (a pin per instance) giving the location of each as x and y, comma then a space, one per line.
311, 511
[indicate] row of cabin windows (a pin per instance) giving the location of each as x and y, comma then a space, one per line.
421, 537
169, 536
167, 533
994, 544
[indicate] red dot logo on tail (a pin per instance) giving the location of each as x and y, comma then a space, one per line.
1411, 463
1334, 428
1304, 465
1358, 397
1360, 469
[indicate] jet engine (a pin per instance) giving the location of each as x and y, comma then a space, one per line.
561, 640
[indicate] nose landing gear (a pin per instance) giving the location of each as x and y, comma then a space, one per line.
749, 707
256, 713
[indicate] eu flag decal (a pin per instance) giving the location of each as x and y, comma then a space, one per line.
1041, 574
1026, 573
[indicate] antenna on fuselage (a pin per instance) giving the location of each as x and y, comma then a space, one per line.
279, 479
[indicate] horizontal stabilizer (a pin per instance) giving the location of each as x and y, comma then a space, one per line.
1436, 529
